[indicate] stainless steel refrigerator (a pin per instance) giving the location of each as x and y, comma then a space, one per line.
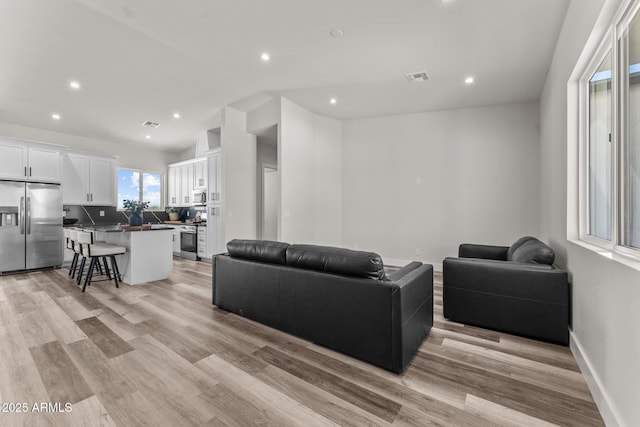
30, 226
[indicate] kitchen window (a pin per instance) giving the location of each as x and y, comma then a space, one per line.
141, 186
610, 141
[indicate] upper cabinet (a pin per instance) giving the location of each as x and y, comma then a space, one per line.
173, 186
183, 179
30, 161
214, 171
88, 180
200, 175
186, 184
101, 181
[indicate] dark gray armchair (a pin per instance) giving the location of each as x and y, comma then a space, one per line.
515, 289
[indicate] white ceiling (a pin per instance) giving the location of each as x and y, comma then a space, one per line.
143, 60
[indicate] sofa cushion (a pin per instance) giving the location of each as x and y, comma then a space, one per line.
530, 250
336, 260
259, 250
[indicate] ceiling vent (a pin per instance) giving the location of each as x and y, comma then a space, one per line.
418, 77
151, 124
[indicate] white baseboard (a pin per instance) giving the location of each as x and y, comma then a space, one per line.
603, 401
437, 266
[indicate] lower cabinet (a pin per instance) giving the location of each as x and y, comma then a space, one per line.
176, 241
202, 242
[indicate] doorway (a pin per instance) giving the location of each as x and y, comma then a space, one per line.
269, 202
268, 184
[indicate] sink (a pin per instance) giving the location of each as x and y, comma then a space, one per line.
69, 221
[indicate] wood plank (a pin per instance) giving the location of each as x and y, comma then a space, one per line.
60, 376
102, 377
35, 329
321, 401
106, 340
367, 400
261, 395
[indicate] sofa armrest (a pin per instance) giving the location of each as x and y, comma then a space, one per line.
416, 286
400, 273
518, 280
468, 250
412, 313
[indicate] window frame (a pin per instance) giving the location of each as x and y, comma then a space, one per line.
616, 40
584, 146
162, 206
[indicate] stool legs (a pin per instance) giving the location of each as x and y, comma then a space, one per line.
74, 264
87, 280
116, 271
81, 270
95, 263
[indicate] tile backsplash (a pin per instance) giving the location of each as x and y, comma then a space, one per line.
108, 215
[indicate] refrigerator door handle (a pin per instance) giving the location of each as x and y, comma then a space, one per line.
28, 212
21, 215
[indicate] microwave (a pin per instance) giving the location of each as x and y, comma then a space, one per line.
199, 198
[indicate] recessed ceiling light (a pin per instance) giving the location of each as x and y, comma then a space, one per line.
176, 115
336, 33
148, 136
74, 85
333, 100
469, 80
55, 116
265, 57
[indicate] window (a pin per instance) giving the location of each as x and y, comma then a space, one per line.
631, 147
149, 189
610, 141
600, 151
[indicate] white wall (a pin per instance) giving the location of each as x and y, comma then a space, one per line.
129, 155
431, 181
606, 294
309, 162
238, 177
264, 116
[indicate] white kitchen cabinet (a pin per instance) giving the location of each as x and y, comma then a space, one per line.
75, 179
101, 181
30, 161
44, 163
200, 175
88, 180
184, 178
215, 243
186, 183
202, 242
173, 186
214, 172
13, 159
176, 241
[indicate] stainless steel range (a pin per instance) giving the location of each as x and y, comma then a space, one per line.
30, 226
189, 242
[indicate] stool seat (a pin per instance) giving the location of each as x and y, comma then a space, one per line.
105, 249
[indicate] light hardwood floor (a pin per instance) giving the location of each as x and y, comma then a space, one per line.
160, 354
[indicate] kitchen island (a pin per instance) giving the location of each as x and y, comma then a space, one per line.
149, 253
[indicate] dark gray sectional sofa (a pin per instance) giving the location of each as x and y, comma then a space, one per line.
334, 297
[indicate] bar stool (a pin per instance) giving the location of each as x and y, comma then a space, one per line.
69, 245
95, 252
75, 246
78, 264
